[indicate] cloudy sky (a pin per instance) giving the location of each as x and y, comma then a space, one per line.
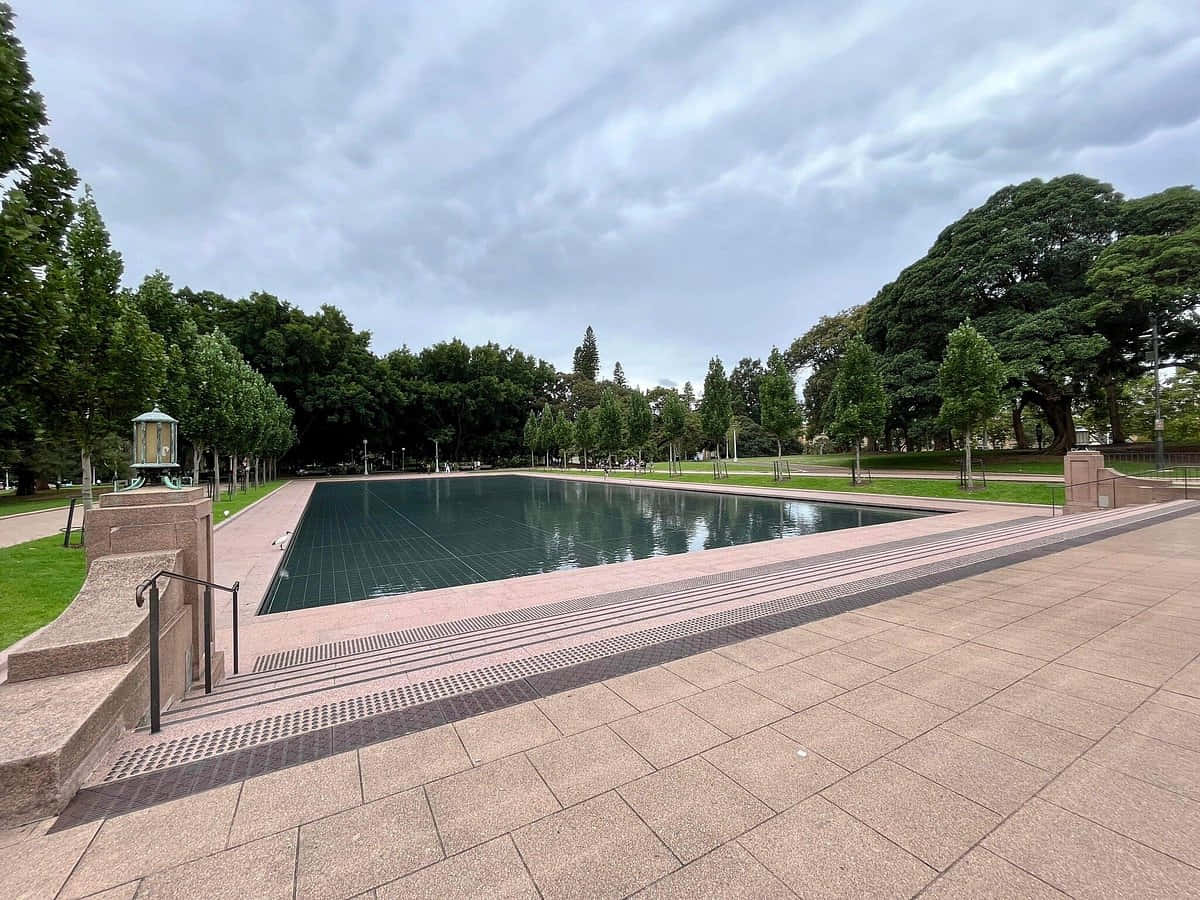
690, 178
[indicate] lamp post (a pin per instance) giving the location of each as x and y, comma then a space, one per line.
364, 456
436, 460
155, 447
1160, 457
401, 459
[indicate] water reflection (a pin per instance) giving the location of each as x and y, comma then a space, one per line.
362, 539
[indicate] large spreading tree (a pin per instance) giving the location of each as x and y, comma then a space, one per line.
1017, 267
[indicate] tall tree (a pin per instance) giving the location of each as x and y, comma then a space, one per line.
619, 375
743, 386
585, 433
777, 398
36, 209
818, 351
111, 365
1017, 267
674, 422
610, 424
970, 379
564, 436
859, 403
641, 421
1152, 269
716, 406
587, 357
689, 396
530, 435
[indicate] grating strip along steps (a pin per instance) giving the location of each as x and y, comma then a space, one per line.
251, 691
401, 685
317, 731
540, 625
581, 619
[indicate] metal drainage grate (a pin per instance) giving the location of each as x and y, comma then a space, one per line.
394, 639
178, 751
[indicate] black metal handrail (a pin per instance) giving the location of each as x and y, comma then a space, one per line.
151, 584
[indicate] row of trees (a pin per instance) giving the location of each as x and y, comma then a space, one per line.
79, 355
662, 420
970, 379
1063, 277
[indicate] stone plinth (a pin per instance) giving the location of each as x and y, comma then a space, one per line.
157, 518
1091, 486
78, 684
1081, 469
103, 626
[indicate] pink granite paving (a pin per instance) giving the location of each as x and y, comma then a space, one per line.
243, 551
1030, 732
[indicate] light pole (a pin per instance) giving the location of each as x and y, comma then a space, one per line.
401, 459
436, 460
393, 460
1160, 459
364, 456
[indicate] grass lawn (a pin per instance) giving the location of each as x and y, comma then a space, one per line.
11, 504
1000, 461
39, 578
37, 581
1005, 491
242, 499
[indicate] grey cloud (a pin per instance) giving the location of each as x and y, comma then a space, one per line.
689, 178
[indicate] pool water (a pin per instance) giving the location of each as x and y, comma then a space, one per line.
374, 538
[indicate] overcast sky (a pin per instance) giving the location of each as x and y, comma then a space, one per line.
688, 177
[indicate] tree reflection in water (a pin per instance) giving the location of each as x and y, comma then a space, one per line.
370, 539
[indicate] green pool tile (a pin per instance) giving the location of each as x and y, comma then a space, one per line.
378, 538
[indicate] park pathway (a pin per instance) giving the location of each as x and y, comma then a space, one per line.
29, 526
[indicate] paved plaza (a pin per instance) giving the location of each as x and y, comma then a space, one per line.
1032, 731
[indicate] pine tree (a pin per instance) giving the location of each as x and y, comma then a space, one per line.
619, 376
587, 357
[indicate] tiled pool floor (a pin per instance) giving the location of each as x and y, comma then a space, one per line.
372, 539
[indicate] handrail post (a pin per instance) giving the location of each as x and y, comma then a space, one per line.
70, 518
236, 585
208, 614
155, 696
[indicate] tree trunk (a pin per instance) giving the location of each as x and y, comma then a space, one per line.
857, 460
1019, 425
216, 474
1115, 423
967, 452
1062, 421
85, 457
779, 448
196, 451
232, 475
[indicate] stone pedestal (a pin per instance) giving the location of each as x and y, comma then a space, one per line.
157, 518
1081, 470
